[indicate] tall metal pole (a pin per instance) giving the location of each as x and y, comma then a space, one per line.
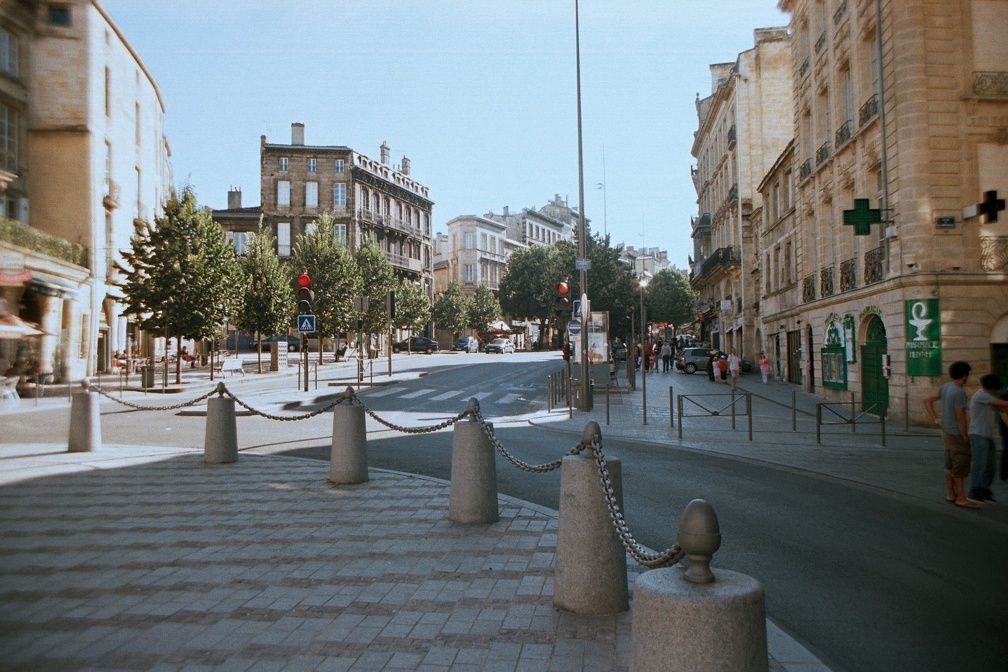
644, 364
582, 247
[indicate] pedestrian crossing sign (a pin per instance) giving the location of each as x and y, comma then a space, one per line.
306, 324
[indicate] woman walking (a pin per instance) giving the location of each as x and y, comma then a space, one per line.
764, 366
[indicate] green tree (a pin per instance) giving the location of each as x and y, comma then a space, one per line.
670, 298
268, 301
335, 278
182, 279
612, 286
528, 287
484, 308
413, 309
377, 277
451, 310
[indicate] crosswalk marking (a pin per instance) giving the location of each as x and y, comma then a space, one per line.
480, 396
414, 395
446, 395
387, 391
509, 398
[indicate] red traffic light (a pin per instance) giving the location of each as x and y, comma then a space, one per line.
303, 280
562, 288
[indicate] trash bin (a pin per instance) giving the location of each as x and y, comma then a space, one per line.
146, 376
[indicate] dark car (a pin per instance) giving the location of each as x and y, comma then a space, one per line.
691, 359
466, 344
293, 343
619, 352
416, 344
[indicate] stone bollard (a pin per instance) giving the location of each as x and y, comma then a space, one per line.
472, 498
348, 462
85, 420
220, 444
690, 619
591, 570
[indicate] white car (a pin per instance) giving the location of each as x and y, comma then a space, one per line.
499, 345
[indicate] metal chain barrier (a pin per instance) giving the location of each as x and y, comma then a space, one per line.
666, 558
174, 407
533, 468
411, 430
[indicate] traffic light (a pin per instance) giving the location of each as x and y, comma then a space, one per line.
562, 302
391, 304
306, 297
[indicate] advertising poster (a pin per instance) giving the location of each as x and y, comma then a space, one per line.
598, 339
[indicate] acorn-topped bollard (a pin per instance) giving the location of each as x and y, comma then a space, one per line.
691, 619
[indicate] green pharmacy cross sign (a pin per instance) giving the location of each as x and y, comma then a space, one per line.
862, 217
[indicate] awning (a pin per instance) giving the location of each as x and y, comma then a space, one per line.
15, 278
51, 285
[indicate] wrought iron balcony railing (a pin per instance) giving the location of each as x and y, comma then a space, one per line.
803, 70
826, 282
733, 193
868, 111
821, 42
843, 134
805, 170
808, 288
848, 275
822, 153
840, 13
873, 266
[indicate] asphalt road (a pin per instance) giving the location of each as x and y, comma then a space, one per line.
867, 579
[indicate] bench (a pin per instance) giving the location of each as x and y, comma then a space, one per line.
228, 364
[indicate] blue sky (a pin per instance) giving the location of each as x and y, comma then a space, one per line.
479, 94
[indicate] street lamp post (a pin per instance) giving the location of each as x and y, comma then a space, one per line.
644, 363
582, 243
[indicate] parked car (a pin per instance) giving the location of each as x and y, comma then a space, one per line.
293, 343
619, 352
466, 344
499, 345
416, 344
691, 359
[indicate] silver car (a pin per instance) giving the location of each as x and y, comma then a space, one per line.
691, 359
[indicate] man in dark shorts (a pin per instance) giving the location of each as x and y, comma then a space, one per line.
954, 428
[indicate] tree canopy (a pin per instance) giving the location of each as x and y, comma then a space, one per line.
267, 304
335, 278
413, 309
670, 298
377, 279
528, 288
484, 309
182, 279
611, 283
451, 310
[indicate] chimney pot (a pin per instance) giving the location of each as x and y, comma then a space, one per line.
234, 199
297, 134
384, 149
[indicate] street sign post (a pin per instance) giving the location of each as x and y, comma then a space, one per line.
306, 324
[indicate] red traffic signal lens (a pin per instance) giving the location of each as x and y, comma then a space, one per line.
562, 288
303, 280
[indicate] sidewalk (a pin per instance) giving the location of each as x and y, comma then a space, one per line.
144, 558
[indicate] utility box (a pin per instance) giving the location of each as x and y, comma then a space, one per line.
278, 356
147, 376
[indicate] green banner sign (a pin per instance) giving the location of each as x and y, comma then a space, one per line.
923, 337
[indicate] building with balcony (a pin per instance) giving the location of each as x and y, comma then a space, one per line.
474, 251
83, 156
929, 78
370, 199
743, 127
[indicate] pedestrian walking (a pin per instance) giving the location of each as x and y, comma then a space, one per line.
666, 356
982, 406
646, 362
764, 366
711, 361
954, 432
734, 364
723, 368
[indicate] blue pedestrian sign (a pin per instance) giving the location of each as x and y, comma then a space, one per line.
306, 324
574, 327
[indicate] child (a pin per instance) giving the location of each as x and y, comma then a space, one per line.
981, 435
764, 366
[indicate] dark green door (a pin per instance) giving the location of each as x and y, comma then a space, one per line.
874, 385
999, 361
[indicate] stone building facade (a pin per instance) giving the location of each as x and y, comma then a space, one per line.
476, 250
549, 224
84, 157
743, 126
899, 107
369, 199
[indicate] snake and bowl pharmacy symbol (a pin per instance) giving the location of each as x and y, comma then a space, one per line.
923, 337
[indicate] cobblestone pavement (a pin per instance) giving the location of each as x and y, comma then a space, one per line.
134, 558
